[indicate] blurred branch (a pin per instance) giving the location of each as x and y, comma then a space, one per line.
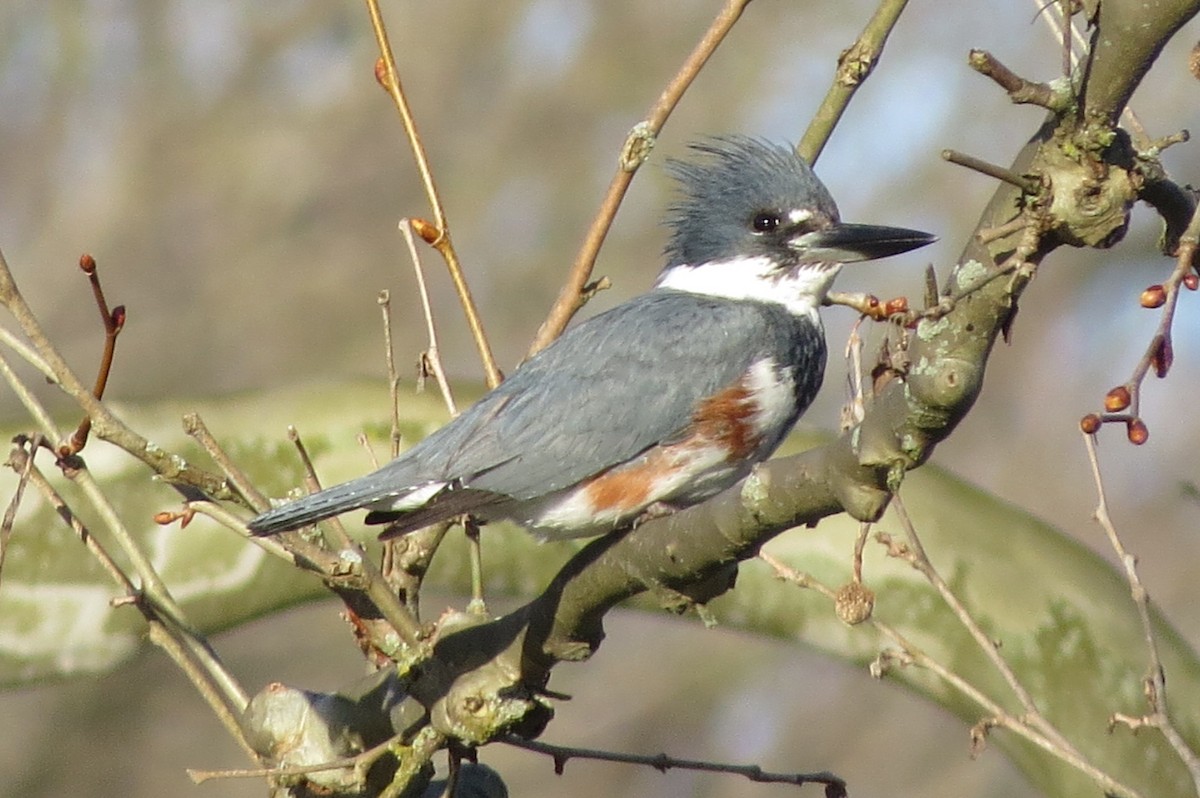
634, 152
1126, 38
1159, 716
439, 237
169, 629
173, 468
1032, 727
854, 66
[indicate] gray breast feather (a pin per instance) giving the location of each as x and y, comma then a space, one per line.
609, 389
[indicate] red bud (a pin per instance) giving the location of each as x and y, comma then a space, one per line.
1191, 280
87, 263
429, 233
1090, 423
118, 318
1136, 432
1117, 399
1154, 297
381, 72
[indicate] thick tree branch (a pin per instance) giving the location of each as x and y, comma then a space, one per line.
1085, 183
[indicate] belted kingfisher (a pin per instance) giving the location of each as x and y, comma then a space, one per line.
661, 402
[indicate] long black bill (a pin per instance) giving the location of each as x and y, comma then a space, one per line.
845, 243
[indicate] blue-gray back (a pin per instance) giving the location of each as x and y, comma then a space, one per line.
609, 389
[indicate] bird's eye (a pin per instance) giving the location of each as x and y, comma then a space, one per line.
765, 222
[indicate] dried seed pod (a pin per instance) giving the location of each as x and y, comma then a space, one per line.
1135, 430
1154, 297
1117, 399
1090, 423
853, 603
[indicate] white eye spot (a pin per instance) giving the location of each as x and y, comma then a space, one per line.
799, 215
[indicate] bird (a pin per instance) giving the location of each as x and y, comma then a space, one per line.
662, 401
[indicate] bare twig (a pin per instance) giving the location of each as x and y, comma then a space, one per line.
1123, 403
477, 604
991, 170
439, 237
834, 786
271, 545
27, 354
168, 630
10, 513
389, 358
114, 322
195, 427
1156, 682
996, 714
854, 66
104, 424
914, 554
431, 361
361, 763
1019, 89
374, 586
633, 152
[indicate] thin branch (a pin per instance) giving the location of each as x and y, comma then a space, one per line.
271, 545
360, 762
997, 715
439, 238
27, 354
195, 427
374, 586
113, 321
431, 361
189, 651
104, 424
914, 554
1026, 185
1054, 98
633, 152
10, 513
854, 66
1123, 403
389, 359
834, 785
1156, 681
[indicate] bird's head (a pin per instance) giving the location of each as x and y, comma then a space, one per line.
754, 222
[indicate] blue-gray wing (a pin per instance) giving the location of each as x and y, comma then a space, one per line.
605, 392
610, 389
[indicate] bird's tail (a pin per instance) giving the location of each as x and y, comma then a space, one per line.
323, 504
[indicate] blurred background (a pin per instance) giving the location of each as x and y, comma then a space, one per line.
239, 175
